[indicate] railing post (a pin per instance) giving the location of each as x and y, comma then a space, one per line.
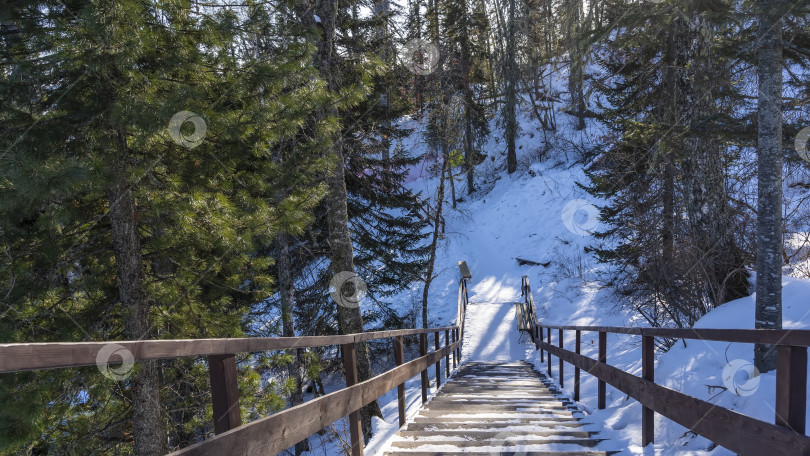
458, 339
447, 357
791, 387
453, 332
560, 341
542, 354
647, 373
578, 337
350, 371
438, 362
224, 392
399, 358
548, 333
601, 388
423, 352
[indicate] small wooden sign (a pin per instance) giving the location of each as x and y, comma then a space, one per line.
465, 271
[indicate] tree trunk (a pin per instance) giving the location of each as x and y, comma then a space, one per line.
286, 287
350, 320
433, 244
147, 424
769, 180
575, 77
510, 119
469, 151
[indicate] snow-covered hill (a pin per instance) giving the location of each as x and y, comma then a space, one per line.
539, 214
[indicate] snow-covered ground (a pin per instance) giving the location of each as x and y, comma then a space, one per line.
540, 214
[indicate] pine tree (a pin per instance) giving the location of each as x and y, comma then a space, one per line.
464, 73
672, 120
103, 82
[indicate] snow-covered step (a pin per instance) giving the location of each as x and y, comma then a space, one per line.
504, 452
497, 408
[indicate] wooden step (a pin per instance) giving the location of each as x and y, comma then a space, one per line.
513, 420
489, 435
499, 443
504, 452
519, 427
497, 408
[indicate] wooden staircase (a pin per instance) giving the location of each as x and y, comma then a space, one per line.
496, 408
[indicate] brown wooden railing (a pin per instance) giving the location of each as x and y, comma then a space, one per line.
277, 432
737, 432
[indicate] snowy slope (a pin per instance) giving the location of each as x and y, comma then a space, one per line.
529, 215
490, 333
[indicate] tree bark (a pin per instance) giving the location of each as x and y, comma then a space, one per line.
432, 256
510, 118
575, 76
147, 424
769, 180
286, 287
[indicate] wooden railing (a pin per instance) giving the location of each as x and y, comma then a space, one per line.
737, 432
277, 432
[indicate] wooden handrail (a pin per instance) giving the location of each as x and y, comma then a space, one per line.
732, 430
52, 355
277, 432
793, 337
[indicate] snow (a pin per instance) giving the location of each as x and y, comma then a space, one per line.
491, 333
540, 214
525, 215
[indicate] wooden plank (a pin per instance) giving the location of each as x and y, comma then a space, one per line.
542, 352
647, 373
560, 341
464, 269
793, 337
601, 388
224, 392
438, 363
454, 351
275, 433
447, 358
399, 357
739, 433
610, 329
350, 372
523, 261
549, 354
791, 387
53, 355
578, 337
424, 374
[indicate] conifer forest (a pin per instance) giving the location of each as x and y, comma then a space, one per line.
228, 169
